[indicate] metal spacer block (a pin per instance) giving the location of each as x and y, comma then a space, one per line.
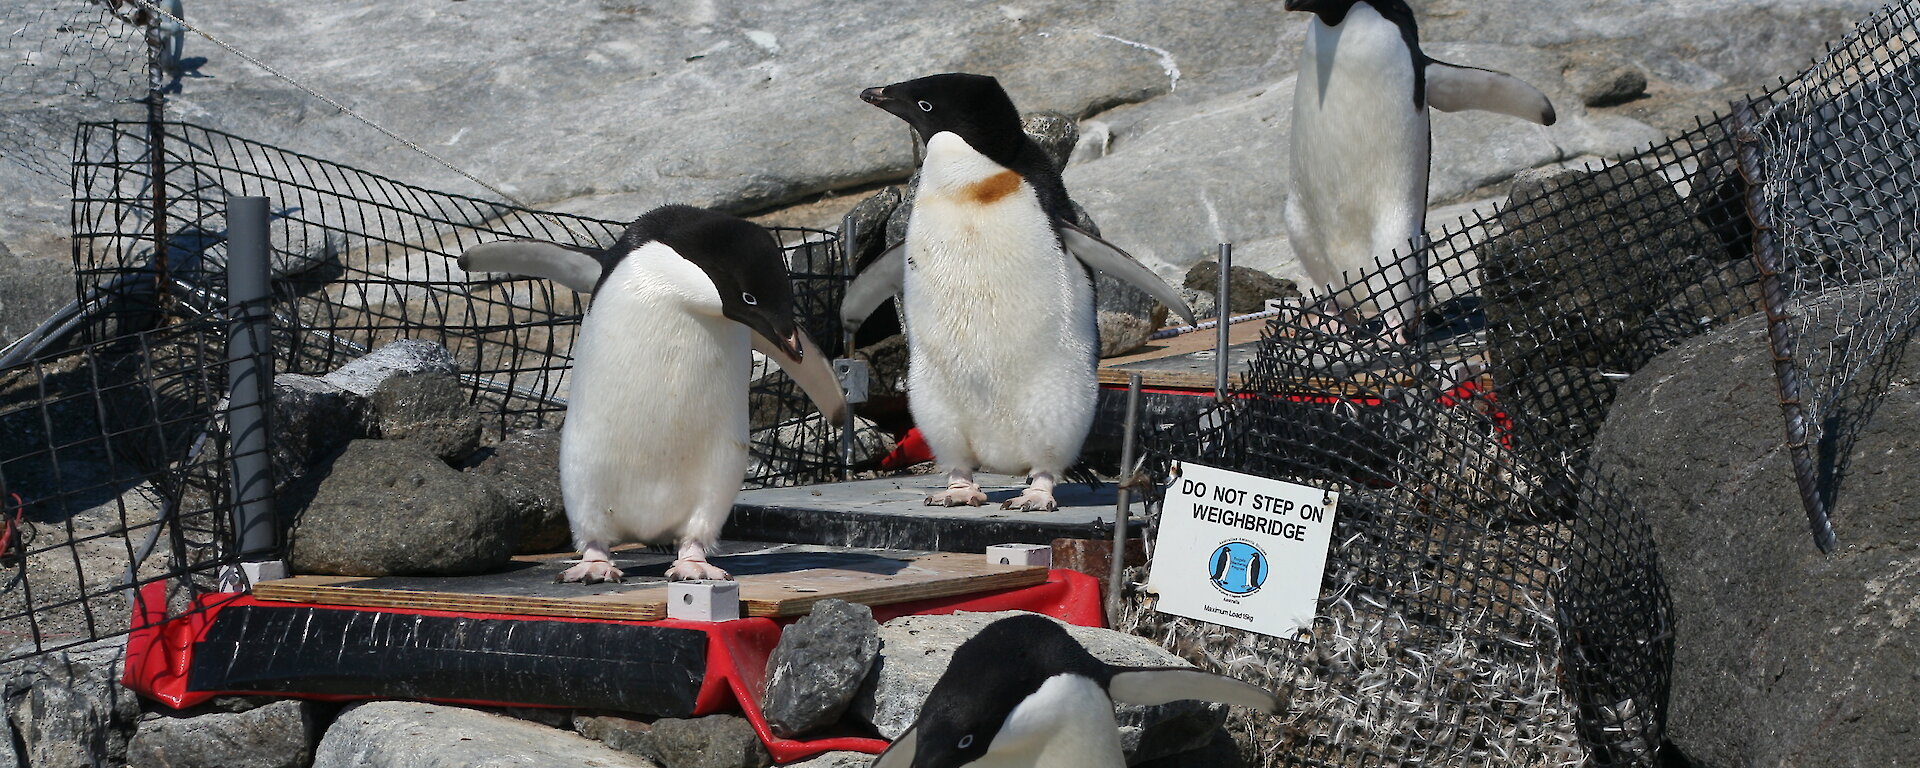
703, 600
853, 379
1021, 554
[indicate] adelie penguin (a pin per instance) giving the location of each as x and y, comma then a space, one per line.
1024, 693
1361, 144
655, 442
1001, 339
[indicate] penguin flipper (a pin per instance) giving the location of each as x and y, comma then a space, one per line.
1150, 686
572, 266
1106, 257
900, 753
881, 280
1453, 88
810, 371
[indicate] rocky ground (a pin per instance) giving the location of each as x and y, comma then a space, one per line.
612, 106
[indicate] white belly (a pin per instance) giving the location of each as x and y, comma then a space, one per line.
655, 442
1359, 149
1000, 330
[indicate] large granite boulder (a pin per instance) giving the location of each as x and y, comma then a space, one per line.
398, 734
277, 735
1783, 656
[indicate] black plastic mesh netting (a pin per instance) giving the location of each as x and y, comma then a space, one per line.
360, 261
1833, 165
61, 62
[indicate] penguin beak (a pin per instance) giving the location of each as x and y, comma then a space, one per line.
1301, 5
796, 354
876, 96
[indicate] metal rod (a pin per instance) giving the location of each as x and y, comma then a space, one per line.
1122, 503
249, 318
1221, 311
157, 39
848, 251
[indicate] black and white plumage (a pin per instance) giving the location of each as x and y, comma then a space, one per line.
998, 298
1361, 145
655, 442
1023, 693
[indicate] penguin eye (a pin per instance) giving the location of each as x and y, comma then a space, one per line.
749, 299
967, 740
925, 106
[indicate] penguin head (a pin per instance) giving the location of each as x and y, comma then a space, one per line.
979, 704
740, 258
973, 107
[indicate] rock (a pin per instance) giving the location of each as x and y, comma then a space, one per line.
1782, 655
813, 674
313, 419
278, 735
1602, 82
915, 650
870, 217
396, 734
886, 367
408, 356
389, 508
1219, 752
1248, 288
525, 470
714, 741
68, 709
835, 760
31, 289
430, 409
1121, 333
1054, 132
800, 440
617, 732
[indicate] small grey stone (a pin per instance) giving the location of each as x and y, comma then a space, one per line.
1121, 333
67, 709
813, 674
915, 651
389, 508
312, 419
277, 735
430, 409
1055, 133
714, 741
1604, 82
363, 375
1248, 288
870, 218
525, 470
396, 734
617, 732
835, 760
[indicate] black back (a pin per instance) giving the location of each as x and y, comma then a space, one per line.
989, 676
978, 110
741, 258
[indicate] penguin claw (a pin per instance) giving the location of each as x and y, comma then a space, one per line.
954, 497
592, 572
1031, 500
696, 570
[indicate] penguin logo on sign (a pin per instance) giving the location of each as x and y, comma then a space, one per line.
1238, 568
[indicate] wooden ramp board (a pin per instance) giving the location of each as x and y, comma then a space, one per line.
1186, 361
784, 580
892, 513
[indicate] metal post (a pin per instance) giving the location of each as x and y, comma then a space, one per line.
249, 372
1220, 317
1123, 498
848, 250
157, 57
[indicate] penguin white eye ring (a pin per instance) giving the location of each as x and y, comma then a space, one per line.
925, 106
966, 741
749, 299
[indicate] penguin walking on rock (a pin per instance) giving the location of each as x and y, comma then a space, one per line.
1001, 339
655, 442
1024, 693
1361, 144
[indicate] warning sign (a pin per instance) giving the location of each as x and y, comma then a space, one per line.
1242, 551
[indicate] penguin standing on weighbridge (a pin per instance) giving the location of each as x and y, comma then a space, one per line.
1361, 144
1000, 326
1024, 694
655, 442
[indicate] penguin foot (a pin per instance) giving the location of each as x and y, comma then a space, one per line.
954, 496
1032, 500
686, 569
591, 572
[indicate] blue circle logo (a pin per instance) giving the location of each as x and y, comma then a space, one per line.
1237, 568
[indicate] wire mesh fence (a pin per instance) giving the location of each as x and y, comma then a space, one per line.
1832, 171
63, 62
